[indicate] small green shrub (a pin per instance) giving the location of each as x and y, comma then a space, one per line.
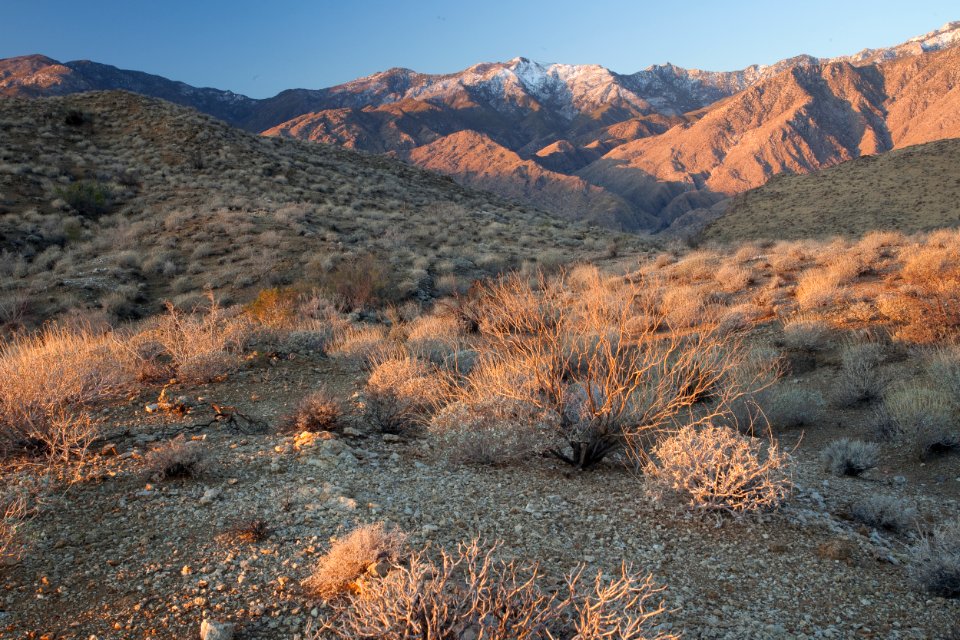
89, 199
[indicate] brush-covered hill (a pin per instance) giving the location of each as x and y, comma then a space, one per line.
911, 189
117, 200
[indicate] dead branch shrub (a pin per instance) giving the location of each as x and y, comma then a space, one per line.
935, 563
576, 355
491, 431
16, 505
845, 457
318, 411
177, 459
926, 417
357, 282
202, 346
470, 592
402, 392
716, 469
350, 557
859, 380
50, 379
887, 513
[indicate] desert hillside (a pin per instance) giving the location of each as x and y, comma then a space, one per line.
912, 189
130, 201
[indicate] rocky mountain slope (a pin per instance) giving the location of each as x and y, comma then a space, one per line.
634, 151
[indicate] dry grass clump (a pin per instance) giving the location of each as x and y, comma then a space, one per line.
943, 369
926, 417
928, 307
435, 338
845, 457
402, 391
717, 469
936, 561
177, 459
859, 380
364, 344
887, 513
790, 407
49, 380
348, 558
819, 288
318, 411
734, 278
470, 592
490, 431
805, 333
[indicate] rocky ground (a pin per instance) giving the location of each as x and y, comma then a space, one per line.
116, 555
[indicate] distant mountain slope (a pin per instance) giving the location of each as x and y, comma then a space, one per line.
637, 151
911, 189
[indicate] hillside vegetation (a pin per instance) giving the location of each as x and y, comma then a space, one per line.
119, 201
909, 190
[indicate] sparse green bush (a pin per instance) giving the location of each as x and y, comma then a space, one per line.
887, 513
89, 199
357, 282
275, 307
494, 431
847, 457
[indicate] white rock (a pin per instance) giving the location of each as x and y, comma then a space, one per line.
209, 496
212, 630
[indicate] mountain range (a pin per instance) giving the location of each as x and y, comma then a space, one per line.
639, 151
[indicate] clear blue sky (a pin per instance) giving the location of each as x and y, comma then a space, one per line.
260, 48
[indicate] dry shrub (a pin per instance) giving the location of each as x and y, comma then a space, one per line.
698, 265
684, 306
16, 502
201, 347
434, 338
717, 469
928, 307
887, 513
789, 407
936, 561
943, 369
275, 307
402, 391
818, 288
610, 383
847, 457
50, 379
177, 459
470, 592
357, 282
806, 333
490, 431
349, 558
859, 380
926, 417
734, 278
318, 411
365, 343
